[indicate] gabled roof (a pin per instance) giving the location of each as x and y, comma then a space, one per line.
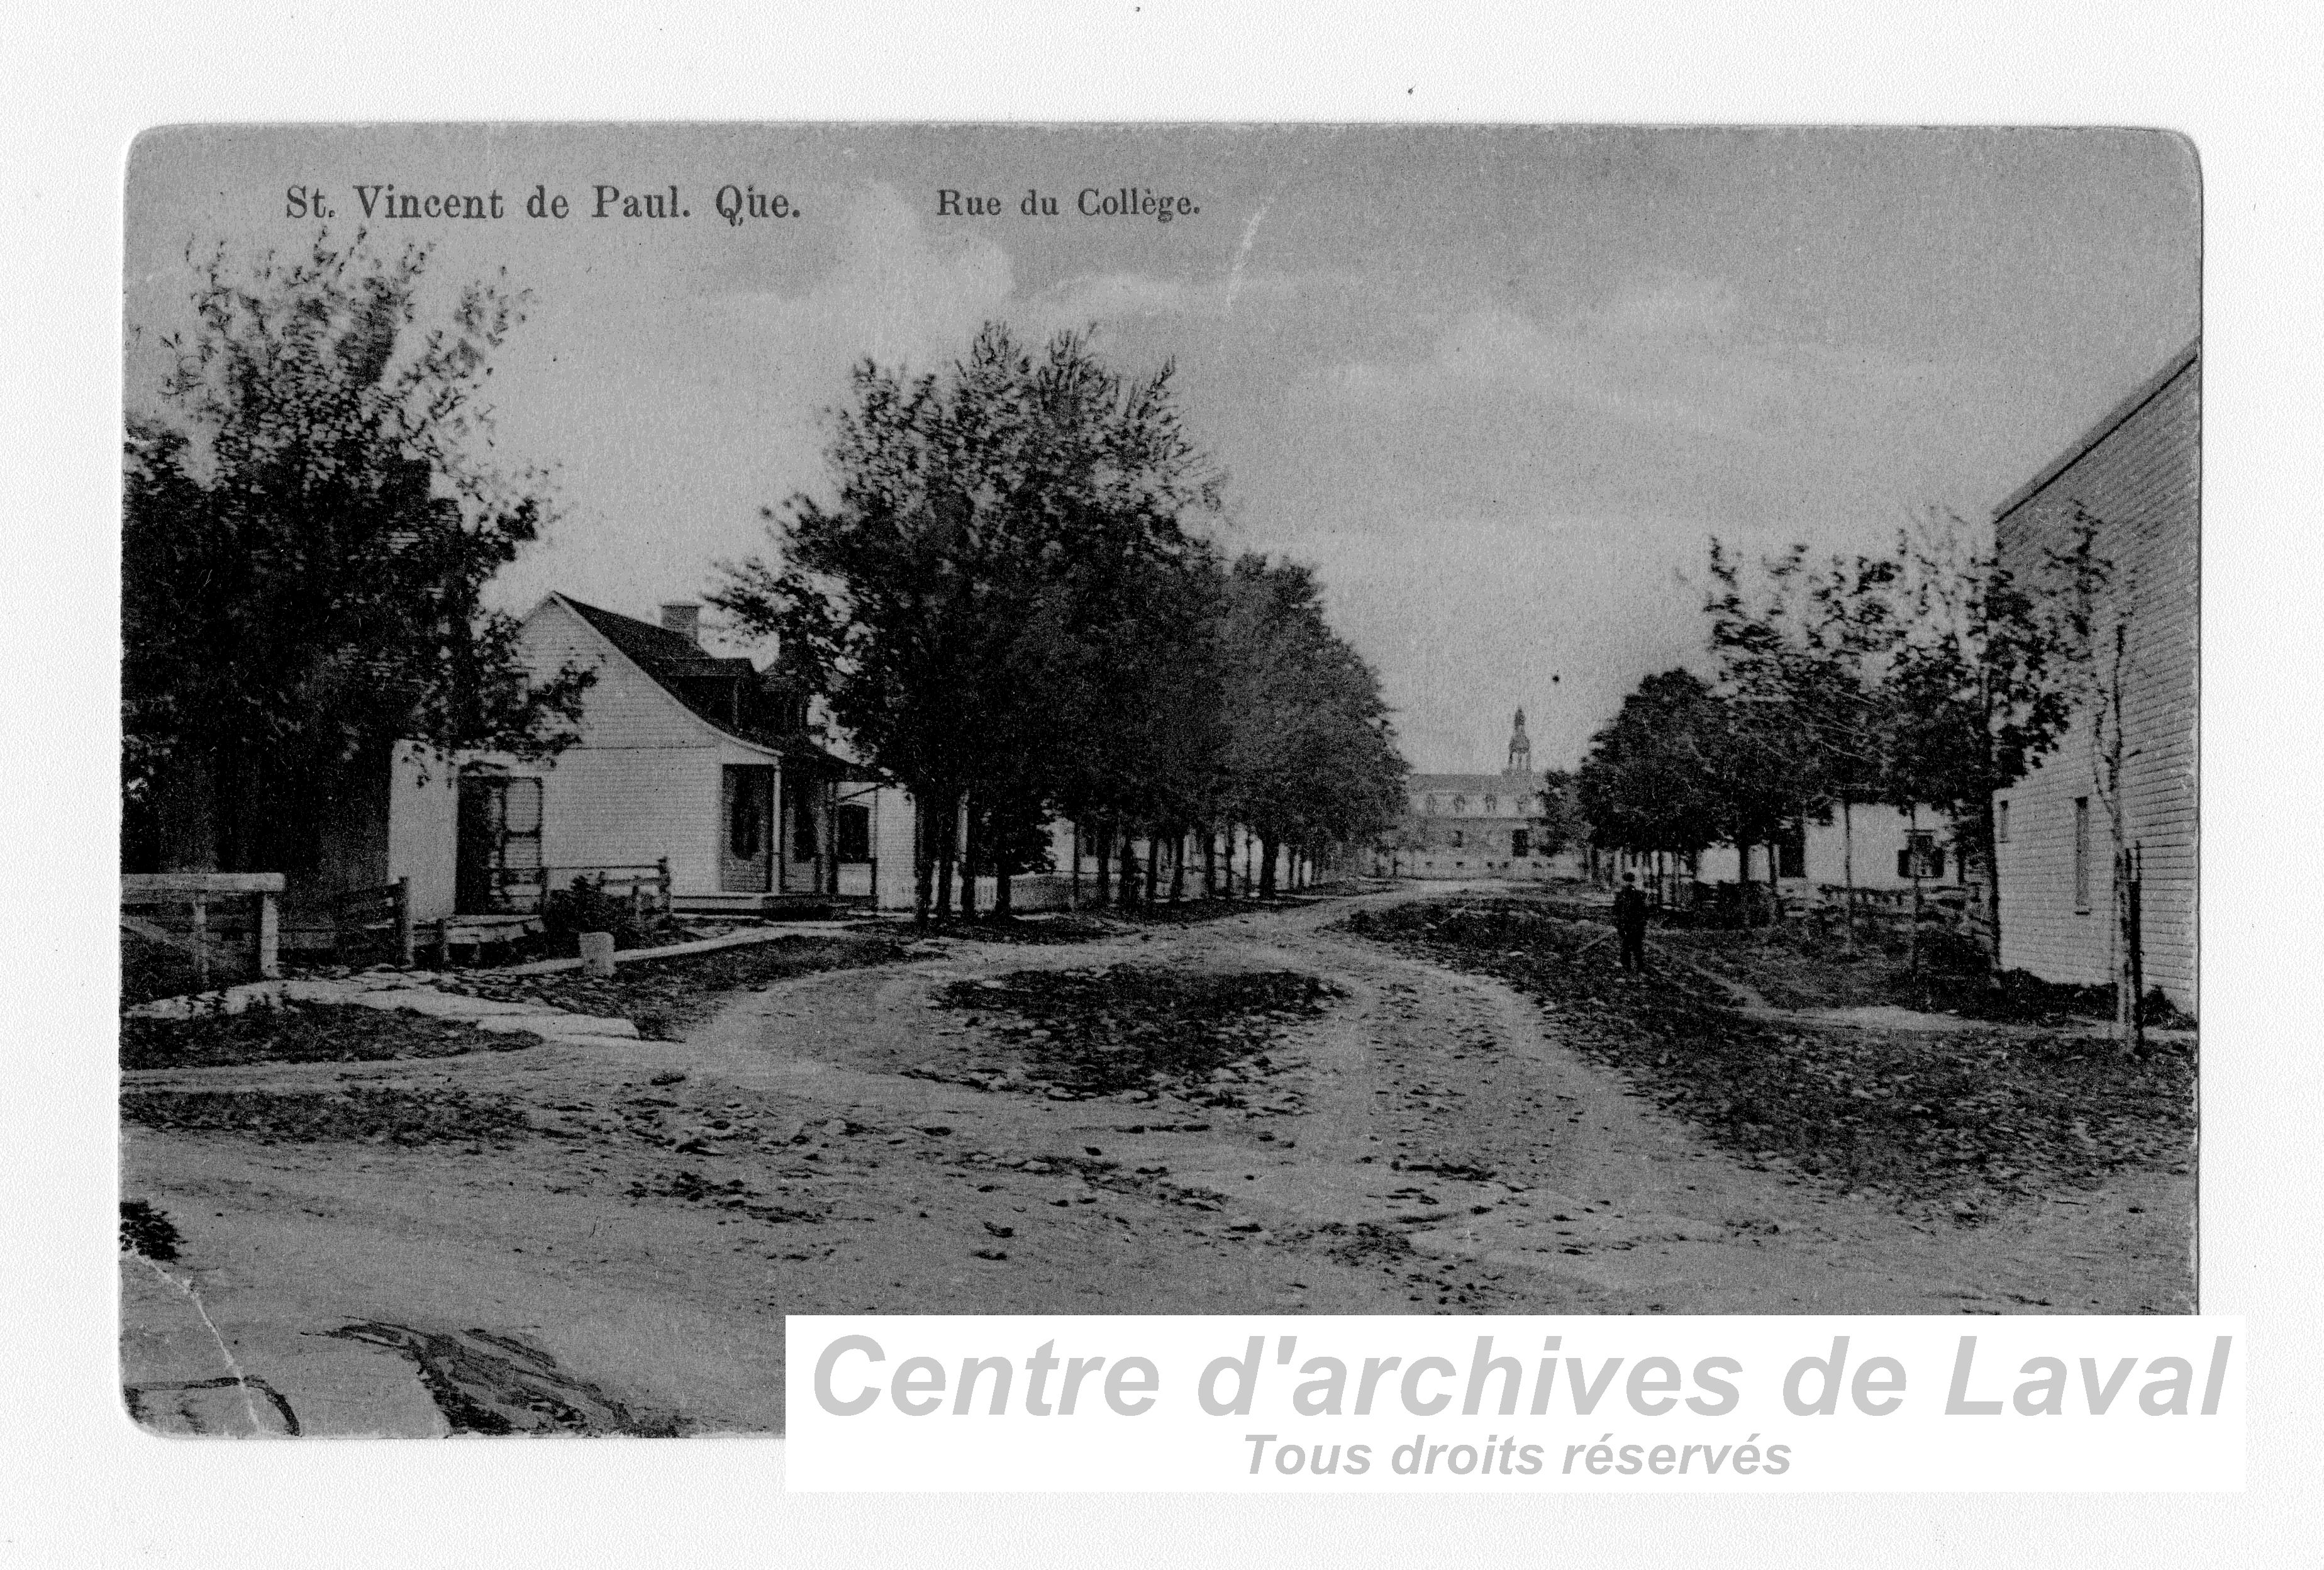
700, 681
659, 652
2108, 424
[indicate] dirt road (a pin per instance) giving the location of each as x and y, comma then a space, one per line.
831, 1144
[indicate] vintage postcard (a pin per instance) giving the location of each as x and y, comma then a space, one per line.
722, 722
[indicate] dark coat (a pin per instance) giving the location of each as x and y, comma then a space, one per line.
1631, 910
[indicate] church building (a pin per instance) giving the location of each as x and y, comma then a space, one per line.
1475, 826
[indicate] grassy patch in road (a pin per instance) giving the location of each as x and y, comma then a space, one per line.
1792, 965
1961, 1116
1127, 1027
377, 1116
296, 1032
665, 998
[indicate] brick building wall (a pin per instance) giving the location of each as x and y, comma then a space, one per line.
2138, 471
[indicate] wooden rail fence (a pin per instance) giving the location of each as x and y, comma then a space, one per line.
262, 892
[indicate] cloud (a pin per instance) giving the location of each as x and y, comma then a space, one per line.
1665, 303
1673, 374
1125, 296
675, 420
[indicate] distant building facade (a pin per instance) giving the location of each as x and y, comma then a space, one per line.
1476, 826
2137, 473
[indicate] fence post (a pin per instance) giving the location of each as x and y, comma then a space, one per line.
444, 942
403, 934
268, 936
201, 930
662, 866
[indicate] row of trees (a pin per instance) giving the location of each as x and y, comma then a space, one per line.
1926, 678
1012, 609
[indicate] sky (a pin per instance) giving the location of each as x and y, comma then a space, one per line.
1499, 385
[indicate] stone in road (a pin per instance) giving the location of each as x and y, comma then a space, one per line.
1424, 1145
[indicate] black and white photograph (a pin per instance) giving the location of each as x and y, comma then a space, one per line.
725, 721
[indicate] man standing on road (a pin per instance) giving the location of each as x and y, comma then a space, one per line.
1630, 922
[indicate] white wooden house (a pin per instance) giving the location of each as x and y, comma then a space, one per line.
2070, 907
686, 761
1867, 846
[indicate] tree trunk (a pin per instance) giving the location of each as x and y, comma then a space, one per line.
968, 844
1153, 863
1074, 887
1992, 892
1128, 868
924, 858
1266, 867
1913, 827
1001, 871
1209, 863
1102, 841
1848, 875
947, 844
1992, 845
1178, 865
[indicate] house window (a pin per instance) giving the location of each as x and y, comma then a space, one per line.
1456, 839
1434, 803
2081, 854
1460, 807
1492, 806
854, 831
2001, 824
1520, 842
1922, 857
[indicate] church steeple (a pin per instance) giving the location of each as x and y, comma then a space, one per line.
1520, 750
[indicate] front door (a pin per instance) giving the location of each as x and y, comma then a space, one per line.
746, 862
496, 848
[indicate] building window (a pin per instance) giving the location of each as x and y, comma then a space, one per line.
1520, 843
2081, 854
2001, 824
855, 833
1492, 806
1456, 839
1460, 807
1922, 857
1434, 802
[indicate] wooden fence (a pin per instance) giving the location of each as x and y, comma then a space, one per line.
645, 886
259, 894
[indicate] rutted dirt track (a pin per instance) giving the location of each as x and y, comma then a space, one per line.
838, 1142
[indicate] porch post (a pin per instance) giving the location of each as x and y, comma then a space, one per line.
268, 936
403, 934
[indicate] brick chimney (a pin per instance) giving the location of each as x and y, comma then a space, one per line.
683, 617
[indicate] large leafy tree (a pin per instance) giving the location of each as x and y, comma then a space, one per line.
1652, 780
979, 599
1985, 680
1930, 678
1310, 754
1804, 656
308, 531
